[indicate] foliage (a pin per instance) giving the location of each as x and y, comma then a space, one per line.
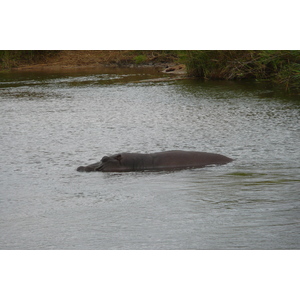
13, 58
140, 59
281, 67
156, 56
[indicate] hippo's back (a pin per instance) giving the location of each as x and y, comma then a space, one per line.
187, 159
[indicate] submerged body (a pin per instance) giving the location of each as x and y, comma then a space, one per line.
159, 161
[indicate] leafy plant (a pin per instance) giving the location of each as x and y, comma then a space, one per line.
140, 59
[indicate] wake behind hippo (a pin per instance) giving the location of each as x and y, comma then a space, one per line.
159, 161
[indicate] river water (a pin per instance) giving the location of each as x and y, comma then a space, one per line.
53, 122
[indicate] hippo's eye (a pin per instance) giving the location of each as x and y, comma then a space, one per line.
105, 159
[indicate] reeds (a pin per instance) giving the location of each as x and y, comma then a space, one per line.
279, 66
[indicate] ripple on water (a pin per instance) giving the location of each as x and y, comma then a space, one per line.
51, 124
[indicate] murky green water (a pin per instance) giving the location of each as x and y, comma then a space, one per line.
52, 123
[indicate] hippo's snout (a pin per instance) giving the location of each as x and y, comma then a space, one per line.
81, 169
91, 168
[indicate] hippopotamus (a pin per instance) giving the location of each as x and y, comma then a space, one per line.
159, 161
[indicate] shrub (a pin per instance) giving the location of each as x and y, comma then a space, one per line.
140, 59
281, 67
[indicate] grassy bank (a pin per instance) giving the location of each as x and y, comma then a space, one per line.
280, 67
67, 58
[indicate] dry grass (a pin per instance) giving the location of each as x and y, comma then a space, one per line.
76, 58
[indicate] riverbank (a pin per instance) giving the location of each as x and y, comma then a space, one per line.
166, 61
281, 68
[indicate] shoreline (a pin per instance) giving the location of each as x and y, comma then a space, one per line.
280, 67
167, 68
98, 59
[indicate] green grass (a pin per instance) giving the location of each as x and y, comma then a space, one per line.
140, 59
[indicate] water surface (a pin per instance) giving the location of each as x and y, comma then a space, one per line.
53, 122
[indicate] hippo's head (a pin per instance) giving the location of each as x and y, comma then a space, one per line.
113, 163
110, 163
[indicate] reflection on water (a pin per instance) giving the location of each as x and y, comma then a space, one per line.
53, 122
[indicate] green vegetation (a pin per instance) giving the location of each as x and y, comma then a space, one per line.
13, 58
140, 59
146, 57
155, 56
280, 67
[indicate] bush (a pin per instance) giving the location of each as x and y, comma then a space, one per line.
281, 67
140, 59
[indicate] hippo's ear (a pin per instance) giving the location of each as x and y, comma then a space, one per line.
118, 157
